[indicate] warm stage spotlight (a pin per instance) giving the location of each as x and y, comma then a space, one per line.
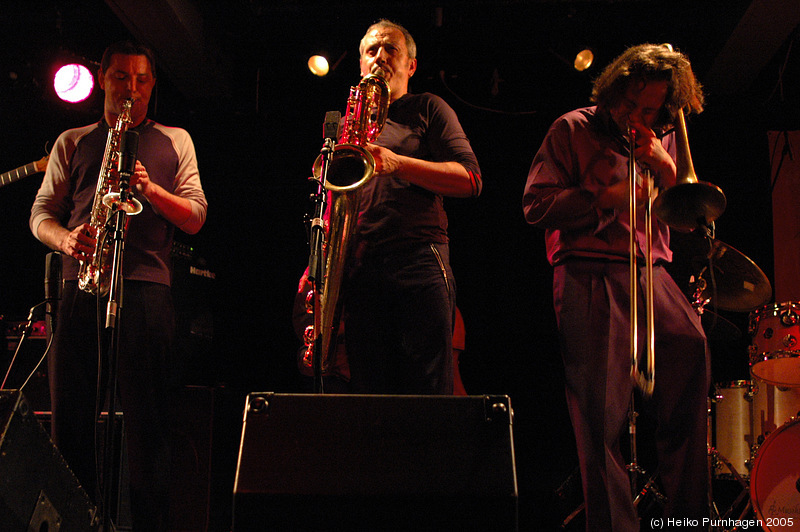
583, 60
318, 65
73, 83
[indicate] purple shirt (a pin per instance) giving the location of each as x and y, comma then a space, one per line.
583, 153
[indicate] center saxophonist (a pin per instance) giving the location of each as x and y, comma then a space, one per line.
399, 299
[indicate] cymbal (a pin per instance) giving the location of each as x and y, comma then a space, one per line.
733, 281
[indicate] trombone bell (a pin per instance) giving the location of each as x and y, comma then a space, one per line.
690, 203
687, 206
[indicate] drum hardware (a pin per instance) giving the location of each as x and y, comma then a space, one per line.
743, 494
699, 302
635, 471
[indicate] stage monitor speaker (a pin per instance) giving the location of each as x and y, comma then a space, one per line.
376, 462
37, 489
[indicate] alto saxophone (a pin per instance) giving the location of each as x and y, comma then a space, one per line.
351, 167
94, 275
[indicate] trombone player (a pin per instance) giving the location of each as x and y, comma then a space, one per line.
577, 190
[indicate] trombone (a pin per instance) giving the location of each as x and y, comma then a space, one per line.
685, 206
644, 380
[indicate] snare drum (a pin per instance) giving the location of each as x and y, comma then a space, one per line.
774, 484
775, 350
733, 427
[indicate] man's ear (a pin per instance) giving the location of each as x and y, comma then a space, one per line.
412, 67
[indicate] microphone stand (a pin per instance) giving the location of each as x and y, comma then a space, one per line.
317, 238
112, 324
52, 295
116, 226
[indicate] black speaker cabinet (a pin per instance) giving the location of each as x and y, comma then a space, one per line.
37, 489
376, 462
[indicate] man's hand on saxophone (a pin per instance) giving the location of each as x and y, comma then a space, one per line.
175, 209
140, 180
78, 243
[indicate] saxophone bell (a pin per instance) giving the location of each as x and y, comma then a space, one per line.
123, 200
130, 205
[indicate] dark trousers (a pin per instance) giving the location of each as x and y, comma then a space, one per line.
147, 388
399, 322
592, 305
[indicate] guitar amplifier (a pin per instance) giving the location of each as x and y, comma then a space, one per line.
376, 462
193, 283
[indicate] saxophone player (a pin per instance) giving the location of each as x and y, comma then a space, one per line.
399, 301
167, 182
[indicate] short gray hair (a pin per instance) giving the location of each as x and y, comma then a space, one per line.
411, 46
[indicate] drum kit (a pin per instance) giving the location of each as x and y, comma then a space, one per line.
754, 425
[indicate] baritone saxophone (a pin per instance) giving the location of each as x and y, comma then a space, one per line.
351, 167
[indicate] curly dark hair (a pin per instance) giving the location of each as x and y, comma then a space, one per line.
651, 62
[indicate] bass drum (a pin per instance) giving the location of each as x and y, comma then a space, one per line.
775, 479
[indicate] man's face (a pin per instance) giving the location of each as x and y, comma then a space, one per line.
385, 48
128, 77
641, 104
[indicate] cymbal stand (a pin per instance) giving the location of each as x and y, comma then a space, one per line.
634, 469
745, 493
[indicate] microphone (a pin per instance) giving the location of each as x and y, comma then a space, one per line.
330, 129
52, 289
330, 133
127, 161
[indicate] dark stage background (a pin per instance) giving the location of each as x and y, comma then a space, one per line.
233, 74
